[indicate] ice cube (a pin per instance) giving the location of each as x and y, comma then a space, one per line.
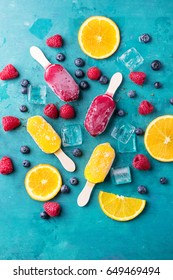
121, 175
129, 147
122, 132
131, 59
41, 27
37, 94
71, 135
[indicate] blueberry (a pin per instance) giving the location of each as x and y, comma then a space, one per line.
103, 80
79, 73
65, 189
121, 113
24, 83
74, 181
171, 100
157, 85
24, 90
60, 57
77, 152
139, 131
131, 93
156, 65
163, 180
145, 38
44, 215
25, 149
142, 189
23, 108
79, 62
26, 163
84, 85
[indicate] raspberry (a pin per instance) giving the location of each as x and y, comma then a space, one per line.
141, 162
55, 41
51, 111
93, 73
52, 208
145, 108
9, 72
67, 112
6, 166
137, 77
10, 122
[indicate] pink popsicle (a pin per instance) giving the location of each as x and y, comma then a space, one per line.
102, 108
57, 77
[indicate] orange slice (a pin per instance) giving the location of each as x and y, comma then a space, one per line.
159, 138
120, 208
99, 37
43, 182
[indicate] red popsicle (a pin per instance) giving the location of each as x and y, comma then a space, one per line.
57, 77
102, 108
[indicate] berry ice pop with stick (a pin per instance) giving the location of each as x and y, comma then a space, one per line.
102, 108
57, 77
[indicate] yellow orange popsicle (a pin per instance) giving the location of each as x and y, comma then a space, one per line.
48, 140
96, 170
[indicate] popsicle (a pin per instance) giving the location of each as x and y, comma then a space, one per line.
48, 140
57, 77
102, 108
96, 170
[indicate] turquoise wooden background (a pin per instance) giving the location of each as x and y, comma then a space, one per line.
85, 233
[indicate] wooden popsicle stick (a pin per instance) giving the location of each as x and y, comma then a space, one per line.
115, 82
66, 162
85, 194
39, 56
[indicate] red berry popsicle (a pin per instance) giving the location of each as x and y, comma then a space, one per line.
57, 77
102, 108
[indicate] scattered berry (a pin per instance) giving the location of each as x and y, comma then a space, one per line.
79, 73
145, 38
103, 80
156, 65
23, 108
25, 149
24, 83
131, 93
60, 57
139, 131
121, 113
93, 73
26, 163
52, 208
51, 111
137, 77
65, 189
141, 162
142, 189
79, 62
84, 85
44, 215
6, 166
10, 123
74, 181
67, 112
163, 180
171, 100
9, 72
145, 108
157, 85
77, 152
24, 90
55, 41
